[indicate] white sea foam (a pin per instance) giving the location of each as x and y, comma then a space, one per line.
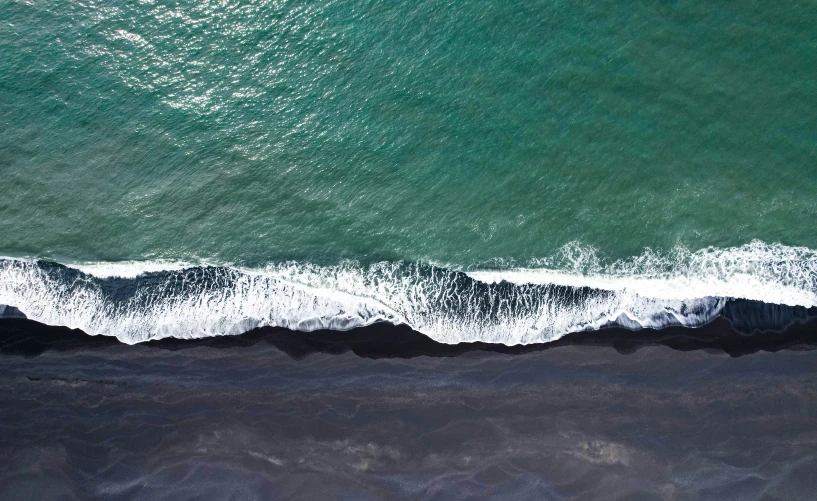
771, 273
130, 269
681, 288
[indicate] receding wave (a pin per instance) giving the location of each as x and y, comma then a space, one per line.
574, 291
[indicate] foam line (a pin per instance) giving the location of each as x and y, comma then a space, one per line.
141, 301
772, 273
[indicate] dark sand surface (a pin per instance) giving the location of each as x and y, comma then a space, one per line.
384, 413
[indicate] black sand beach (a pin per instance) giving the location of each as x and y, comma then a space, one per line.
384, 413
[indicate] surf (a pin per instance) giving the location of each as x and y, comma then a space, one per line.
758, 286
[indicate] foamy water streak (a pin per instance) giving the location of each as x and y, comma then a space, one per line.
131, 269
542, 305
448, 306
772, 273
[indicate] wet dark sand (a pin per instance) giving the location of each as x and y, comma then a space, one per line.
385, 413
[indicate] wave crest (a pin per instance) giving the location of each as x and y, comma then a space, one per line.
136, 302
772, 273
448, 306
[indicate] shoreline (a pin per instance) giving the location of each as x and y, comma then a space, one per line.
29, 338
449, 307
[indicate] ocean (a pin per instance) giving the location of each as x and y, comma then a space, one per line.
661, 152
511, 174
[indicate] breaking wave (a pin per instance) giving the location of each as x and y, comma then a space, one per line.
573, 291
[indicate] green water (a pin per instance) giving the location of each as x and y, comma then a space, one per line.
450, 132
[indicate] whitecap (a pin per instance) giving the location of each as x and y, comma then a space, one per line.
150, 300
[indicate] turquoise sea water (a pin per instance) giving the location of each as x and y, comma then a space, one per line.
468, 135
452, 132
